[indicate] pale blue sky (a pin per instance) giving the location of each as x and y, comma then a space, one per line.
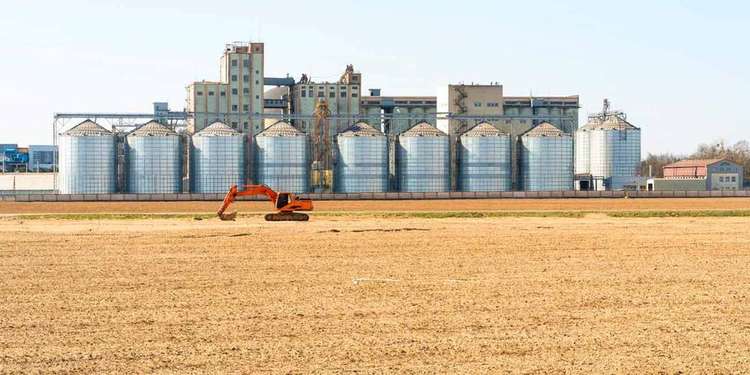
678, 68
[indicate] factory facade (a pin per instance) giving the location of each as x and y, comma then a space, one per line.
486, 141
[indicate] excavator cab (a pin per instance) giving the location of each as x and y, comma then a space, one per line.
282, 200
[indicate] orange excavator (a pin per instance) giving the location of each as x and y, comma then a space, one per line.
285, 203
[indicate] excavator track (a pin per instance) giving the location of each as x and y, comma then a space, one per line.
287, 216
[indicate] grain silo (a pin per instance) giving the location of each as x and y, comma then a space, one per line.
546, 159
423, 159
484, 159
362, 164
613, 149
154, 160
87, 160
218, 159
282, 158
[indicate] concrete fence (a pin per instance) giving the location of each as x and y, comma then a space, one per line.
377, 196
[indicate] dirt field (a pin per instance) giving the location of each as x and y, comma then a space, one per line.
344, 294
416, 205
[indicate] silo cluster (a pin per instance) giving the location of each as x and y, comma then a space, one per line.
87, 160
154, 160
362, 162
484, 159
608, 148
423, 159
282, 158
218, 159
546, 159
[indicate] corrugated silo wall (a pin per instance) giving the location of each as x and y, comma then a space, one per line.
154, 164
546, 163
362, 164
87, 164
485, 163
423, 164
282, 163
217, 163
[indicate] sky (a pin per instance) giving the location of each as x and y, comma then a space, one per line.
679, 69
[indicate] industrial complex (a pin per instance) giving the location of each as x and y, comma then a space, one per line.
303, 136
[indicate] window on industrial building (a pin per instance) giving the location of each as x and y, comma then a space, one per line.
223, 93
477, 104
234, 62
257, 96
234, 124
234, 78
257, 82
246, 91
354, 95
355, 87
343, 94
245, 78
734, 179
234, 108
331, 94
508, 121
523, 121
199, 93
234, 91
245, 107
721, 179
492, 104
321, 94
244, 125
210, 93
303, 93
246, 63
257, 71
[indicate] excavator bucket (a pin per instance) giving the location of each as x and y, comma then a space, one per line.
228, 216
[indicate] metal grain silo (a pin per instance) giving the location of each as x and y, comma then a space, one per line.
362, 164
485, 162
87, 160
282, 158
154, 160
546, 159
582, 152
614, 148
218, 159
423, 160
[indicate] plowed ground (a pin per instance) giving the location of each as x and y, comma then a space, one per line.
343, 294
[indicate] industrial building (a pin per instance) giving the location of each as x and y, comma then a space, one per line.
35, 158
472, 104
236, 99
308, 136
700, 175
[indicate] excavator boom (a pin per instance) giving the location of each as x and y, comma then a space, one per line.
285, 203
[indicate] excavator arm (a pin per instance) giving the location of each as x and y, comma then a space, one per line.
284, 203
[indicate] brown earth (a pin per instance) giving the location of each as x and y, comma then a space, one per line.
416, 205
345, 294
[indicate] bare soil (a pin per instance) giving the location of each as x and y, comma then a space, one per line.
344, 294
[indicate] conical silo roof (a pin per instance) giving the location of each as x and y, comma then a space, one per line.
361, 129
423, 129
87, 128
612, 122
152, 129
545, 129
217, 129
281, 129
484, 129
